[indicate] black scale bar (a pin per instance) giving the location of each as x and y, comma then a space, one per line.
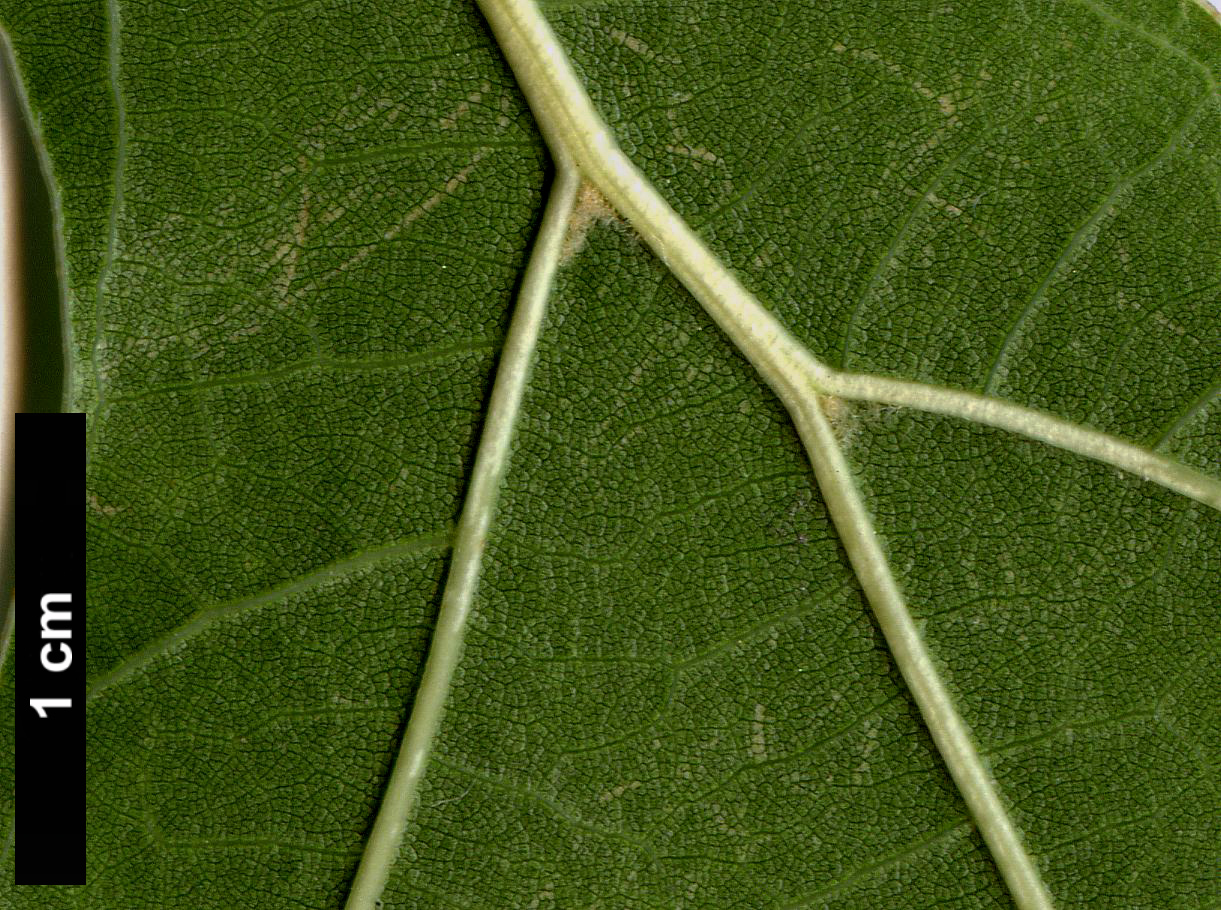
49, 649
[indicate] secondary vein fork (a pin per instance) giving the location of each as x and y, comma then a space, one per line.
575, 130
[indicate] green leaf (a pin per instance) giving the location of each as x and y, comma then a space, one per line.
292, 237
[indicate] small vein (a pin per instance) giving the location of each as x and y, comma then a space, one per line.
447, 190
315, 364
1204, 657
390, 152
258, 843
1070, 726
206, 617
1197, 407
114, 37
921, 202
772, 163
162, 562
629, 554
841, 732
1131, 332
569, 815
1206, 765
814, 604
675, 670
1103, 828
1156, 40
1104, 209
937, 835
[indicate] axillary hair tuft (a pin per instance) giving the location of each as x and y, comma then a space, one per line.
842, 415
590, 208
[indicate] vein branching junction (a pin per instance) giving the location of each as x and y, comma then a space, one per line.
585, 150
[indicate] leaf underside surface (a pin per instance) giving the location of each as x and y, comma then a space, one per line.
292, 235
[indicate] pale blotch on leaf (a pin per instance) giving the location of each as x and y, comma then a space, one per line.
97, 506
698, 153
450, 120
758, 735
617, 791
